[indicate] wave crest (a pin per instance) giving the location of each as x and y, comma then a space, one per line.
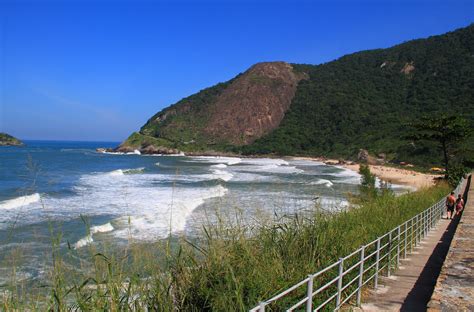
20, 201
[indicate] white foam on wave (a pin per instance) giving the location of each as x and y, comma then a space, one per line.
104, 228
83, 242
154, 209
20, 201
135, 152
165, 214
219, 166
222, 175
325, 182
121, 172
268, 165
346, 175
118, 172
134, 171
265, 161
333, 203
217, 159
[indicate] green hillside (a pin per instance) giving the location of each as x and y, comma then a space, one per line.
367, 99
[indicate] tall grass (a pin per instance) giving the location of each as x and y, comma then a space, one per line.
228, 268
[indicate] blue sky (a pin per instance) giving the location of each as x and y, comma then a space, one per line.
97, 70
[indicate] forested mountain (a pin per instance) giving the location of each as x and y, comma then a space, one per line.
363, 100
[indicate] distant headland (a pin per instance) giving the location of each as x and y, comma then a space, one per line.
8, 140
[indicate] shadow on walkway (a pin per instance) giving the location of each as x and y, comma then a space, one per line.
420, 294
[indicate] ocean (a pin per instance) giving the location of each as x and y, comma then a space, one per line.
91, 197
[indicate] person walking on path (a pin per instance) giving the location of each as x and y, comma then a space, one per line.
459, 205
450, 203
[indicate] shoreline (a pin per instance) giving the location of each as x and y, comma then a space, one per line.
385, 173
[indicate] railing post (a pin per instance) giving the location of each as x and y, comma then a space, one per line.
389, 256
377, 259
432, 218
405, 241
422, 232
261, 307
398, 246
339, 282
427, 223
423, 229
416, 229
439, 210
361, 275
309, 294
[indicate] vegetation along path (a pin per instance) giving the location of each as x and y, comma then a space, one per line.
411, 287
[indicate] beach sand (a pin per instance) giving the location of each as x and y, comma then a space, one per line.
388, 174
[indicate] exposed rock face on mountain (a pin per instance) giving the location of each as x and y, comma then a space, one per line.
8, 140
360, 101
236, 112
253, 104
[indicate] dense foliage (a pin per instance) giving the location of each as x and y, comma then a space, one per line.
367, 99
449, 132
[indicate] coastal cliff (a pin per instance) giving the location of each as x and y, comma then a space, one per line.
8, 140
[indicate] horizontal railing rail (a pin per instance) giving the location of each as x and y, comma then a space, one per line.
345, 278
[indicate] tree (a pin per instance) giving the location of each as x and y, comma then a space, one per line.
367, 184
448, 132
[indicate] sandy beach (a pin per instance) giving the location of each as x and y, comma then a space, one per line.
387, 174
399, 176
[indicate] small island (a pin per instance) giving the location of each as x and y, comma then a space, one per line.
8, 140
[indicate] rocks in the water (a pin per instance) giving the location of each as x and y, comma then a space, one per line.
147, 150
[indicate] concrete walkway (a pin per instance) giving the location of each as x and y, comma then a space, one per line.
455, 287
411, 286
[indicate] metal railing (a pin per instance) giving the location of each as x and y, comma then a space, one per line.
341, 281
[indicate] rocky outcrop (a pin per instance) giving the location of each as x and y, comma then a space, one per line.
151, 149
407, 68
8, 140
254, 104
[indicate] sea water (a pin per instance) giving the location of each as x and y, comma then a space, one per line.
95, 197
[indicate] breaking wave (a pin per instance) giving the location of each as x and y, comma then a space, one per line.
20, 201
104, 228
83, 242
325, 182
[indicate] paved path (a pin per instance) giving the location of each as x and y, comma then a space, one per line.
455, 287
411, 287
